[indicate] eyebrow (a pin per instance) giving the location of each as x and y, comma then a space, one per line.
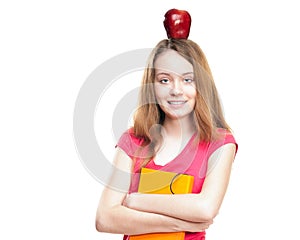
168, 74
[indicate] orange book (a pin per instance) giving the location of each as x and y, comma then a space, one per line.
161, 182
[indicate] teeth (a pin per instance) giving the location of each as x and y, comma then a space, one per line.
177, 102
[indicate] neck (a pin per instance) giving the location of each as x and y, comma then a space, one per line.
176, 128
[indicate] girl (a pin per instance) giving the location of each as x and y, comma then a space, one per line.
178, 127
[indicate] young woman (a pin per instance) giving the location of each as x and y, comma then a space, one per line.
178, 127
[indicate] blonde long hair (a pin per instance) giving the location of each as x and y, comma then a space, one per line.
208, 114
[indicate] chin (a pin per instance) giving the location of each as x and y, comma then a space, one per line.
179, 116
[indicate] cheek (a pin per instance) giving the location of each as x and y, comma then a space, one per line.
191, 92
160, 92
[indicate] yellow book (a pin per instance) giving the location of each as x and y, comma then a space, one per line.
161, 182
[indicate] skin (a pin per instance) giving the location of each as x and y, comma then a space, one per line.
175, 93
119, 212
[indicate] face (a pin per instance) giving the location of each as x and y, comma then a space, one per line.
174, 85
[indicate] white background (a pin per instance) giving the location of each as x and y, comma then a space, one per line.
48, 49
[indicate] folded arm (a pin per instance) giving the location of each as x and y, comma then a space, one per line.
113, 217
192, 207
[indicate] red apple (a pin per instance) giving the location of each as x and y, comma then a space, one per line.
177, 23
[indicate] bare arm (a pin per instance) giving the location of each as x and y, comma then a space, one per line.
113, 217
192, 207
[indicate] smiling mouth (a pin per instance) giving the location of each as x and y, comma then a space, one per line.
176, 102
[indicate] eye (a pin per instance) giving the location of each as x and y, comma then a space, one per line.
164, 80
188, 80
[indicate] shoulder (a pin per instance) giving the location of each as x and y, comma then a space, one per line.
223, 137
129, 142
129, 136
224, 134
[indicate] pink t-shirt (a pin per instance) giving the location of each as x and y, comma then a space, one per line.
192, 160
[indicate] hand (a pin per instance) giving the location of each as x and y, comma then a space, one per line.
125, 201
128, 200
194, 226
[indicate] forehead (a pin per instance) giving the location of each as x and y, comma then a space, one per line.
171, 61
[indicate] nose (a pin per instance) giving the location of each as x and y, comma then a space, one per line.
176, 88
